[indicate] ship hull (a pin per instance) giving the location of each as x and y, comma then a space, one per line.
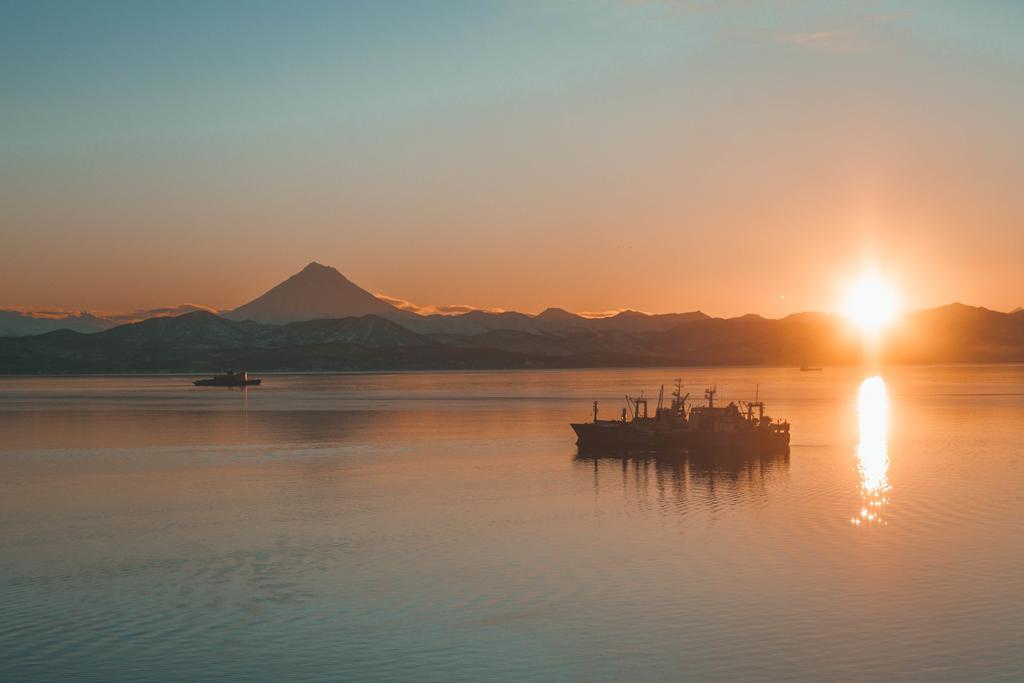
617, 435
226, 383
755, 441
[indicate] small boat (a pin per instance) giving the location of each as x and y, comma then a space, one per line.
229, 379
808, 368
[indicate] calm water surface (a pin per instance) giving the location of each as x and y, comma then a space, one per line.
443, 527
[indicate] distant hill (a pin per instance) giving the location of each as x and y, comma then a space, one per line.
205, 342
27, 323
550, 321
201, 342
314, 293
948, 334
20, 323
369, 330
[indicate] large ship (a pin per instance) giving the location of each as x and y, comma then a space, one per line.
229, 379
705, 427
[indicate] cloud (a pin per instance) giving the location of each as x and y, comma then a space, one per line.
839, 33
160, 311
113, 316
431, 309
400, 304
600, 314
458, 309
831, 40
853, 34
50, 313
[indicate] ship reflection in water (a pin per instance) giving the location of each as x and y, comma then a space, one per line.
682, 481
872, 451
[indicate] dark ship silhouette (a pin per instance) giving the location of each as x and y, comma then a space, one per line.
229, 379
704, 428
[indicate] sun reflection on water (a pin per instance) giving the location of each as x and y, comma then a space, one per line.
872, 451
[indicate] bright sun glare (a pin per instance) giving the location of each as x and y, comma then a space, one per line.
870, 303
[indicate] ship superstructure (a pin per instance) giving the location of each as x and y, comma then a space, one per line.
677, 427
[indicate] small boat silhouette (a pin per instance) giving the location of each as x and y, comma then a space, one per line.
229, 379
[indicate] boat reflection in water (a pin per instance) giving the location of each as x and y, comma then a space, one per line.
680, 481
872, 451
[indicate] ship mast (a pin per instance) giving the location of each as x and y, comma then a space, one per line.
678, 404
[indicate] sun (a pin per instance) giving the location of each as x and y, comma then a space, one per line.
870, 303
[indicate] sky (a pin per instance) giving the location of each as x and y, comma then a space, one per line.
729, 156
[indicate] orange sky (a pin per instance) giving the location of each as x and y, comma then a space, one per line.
593, 156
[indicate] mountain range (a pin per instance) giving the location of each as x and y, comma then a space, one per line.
318, 320
14, 323
320, 292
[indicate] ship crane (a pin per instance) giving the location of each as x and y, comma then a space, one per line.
634, 405
756, 404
